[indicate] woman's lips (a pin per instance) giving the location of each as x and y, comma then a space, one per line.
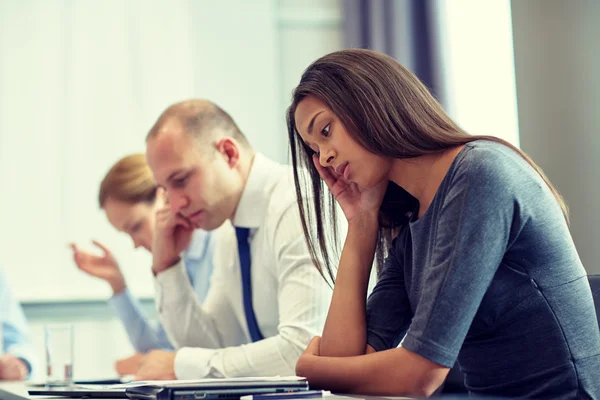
340, 169
347, 172
344, 170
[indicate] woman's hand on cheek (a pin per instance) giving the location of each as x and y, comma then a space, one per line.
353, 199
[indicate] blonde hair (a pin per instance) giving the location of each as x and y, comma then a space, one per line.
130, 180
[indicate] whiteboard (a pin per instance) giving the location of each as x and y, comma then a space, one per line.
80, 85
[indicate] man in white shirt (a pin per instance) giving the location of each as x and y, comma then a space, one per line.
255, 321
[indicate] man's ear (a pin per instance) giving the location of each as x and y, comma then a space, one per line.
229, 149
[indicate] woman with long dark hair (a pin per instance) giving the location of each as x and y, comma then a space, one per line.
480, 267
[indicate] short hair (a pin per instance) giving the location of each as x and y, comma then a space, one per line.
129, 180
202, 119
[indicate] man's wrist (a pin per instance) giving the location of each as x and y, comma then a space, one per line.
161, 267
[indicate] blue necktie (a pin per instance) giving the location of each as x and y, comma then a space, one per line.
244, 252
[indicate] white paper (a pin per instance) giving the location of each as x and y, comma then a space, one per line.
184, 382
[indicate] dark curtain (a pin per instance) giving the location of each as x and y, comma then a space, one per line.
402, 29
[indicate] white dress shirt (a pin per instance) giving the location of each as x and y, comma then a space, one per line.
143, 334
290, 298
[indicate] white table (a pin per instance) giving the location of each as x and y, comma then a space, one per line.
17, 388
20, 388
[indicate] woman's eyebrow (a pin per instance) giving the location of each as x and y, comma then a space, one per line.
312, 122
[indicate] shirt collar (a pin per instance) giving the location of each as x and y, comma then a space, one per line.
255, 198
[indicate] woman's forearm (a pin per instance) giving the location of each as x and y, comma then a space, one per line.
392, 372
345, 328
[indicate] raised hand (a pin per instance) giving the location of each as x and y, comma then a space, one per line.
102, 266
353, 199
172, 235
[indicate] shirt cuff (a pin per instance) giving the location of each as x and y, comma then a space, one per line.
193, 362
172, 282
121, 301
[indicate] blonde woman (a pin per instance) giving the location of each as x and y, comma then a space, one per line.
128, 196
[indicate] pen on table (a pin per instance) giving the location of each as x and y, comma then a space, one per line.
302, 394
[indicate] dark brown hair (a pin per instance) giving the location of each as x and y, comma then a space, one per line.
389, 112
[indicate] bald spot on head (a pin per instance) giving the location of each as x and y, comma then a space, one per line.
199, 118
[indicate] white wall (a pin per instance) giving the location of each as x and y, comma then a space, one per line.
476, 66
306, 31
557, 63
82, 82
301, 32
